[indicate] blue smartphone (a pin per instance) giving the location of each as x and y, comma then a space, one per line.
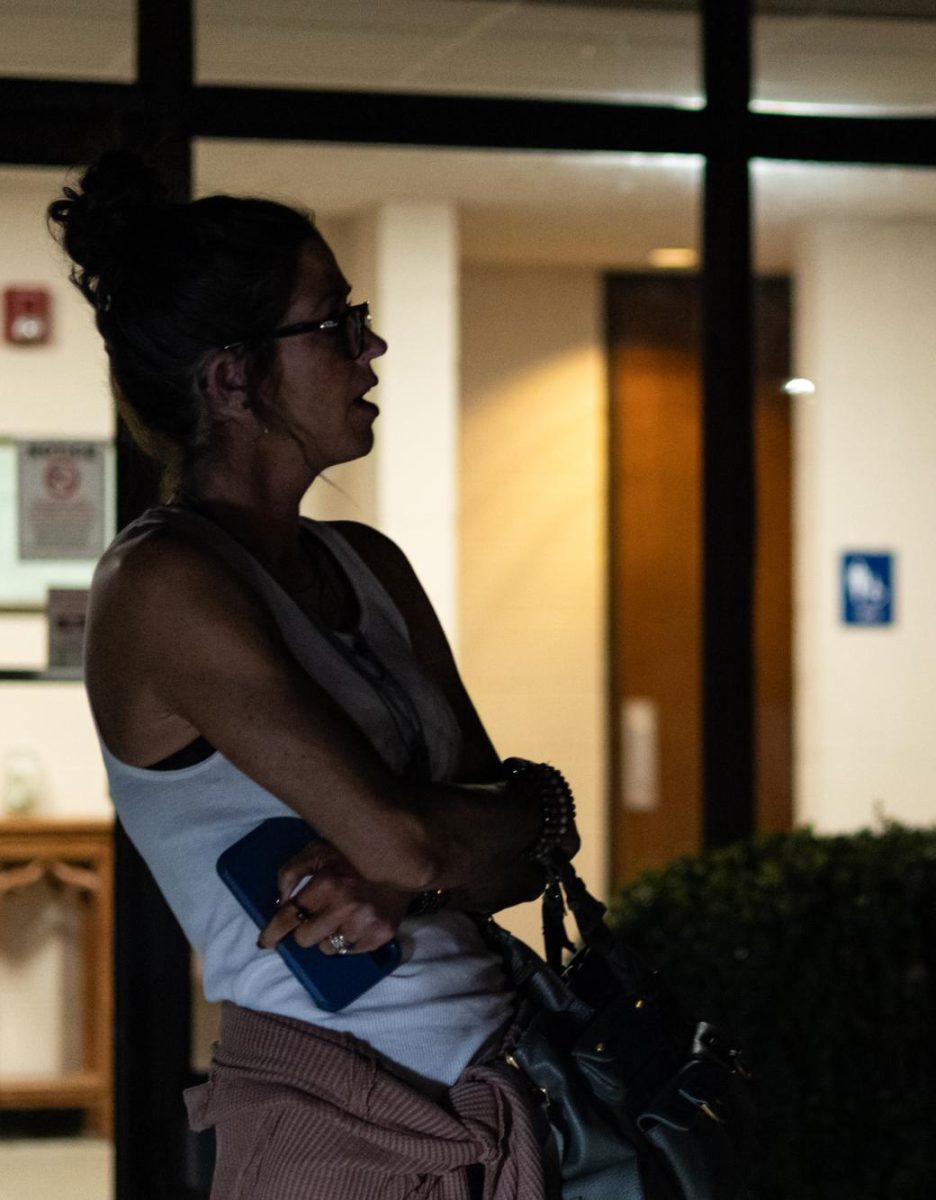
250, 868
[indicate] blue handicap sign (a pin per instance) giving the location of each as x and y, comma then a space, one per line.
867, 589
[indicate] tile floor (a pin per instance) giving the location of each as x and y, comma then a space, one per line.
55, 1169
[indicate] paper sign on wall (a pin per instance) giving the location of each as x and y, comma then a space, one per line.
61, 499
67, 611
867, 589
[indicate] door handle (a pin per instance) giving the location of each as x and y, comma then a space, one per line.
640, 754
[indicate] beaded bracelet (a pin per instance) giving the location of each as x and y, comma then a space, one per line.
557, 803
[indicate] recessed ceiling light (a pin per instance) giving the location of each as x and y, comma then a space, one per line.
799, 387
673, 257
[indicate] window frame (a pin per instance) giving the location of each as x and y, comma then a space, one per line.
163, 111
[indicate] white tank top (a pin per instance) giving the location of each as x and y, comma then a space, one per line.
448, 997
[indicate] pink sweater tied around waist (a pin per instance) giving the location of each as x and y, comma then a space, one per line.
303, 1113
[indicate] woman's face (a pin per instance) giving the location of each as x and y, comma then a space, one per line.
321, 388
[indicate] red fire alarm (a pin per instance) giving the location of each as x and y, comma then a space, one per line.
27, 315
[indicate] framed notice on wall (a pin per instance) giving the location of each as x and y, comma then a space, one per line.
61, 494
67, 613
57, 514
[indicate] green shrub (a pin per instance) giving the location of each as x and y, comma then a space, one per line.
819, 955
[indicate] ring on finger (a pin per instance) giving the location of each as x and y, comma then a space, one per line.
341, 943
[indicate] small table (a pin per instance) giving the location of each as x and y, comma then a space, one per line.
79, 856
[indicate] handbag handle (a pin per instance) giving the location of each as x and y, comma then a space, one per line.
566, 888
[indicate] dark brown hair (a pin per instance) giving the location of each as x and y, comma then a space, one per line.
171, 283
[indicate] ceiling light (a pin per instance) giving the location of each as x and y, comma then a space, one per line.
673, 257
799, 387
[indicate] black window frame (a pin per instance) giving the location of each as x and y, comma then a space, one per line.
163, 111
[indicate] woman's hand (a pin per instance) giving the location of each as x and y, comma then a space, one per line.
524, 882
335, 900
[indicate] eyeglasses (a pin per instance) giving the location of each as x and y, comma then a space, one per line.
352, 323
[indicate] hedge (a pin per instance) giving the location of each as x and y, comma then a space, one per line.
818, 954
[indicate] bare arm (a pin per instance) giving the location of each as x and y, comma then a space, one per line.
207, 650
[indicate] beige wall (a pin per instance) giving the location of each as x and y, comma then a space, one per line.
865, 466
532, 529
56, 390
60, 389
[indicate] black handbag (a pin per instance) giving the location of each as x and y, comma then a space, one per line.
644, 1104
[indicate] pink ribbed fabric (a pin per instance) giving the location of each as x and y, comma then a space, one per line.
304, 1113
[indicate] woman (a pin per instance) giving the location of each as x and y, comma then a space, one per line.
243, 663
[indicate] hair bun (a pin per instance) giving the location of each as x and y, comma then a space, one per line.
104, 225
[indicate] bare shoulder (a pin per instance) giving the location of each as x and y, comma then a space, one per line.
127, 577
140, 574
151, 596
149, 591
135, 563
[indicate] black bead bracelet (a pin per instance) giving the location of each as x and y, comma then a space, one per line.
557, 804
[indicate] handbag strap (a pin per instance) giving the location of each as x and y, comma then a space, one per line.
545, 977
589, 913
565, 888
555, 938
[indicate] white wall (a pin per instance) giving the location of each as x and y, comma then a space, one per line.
532, 530
59, 390
865, 472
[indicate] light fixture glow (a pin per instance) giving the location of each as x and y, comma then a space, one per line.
799, 387
616, 159
809, 108
673, 257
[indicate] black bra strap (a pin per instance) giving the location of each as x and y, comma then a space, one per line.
188, 756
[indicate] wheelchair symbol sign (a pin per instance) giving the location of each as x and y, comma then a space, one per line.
867, 589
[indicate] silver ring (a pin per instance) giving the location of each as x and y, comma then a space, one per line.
340, 943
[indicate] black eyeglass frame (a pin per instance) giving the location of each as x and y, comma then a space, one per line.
341, 321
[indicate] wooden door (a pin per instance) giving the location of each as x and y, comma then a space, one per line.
655, 530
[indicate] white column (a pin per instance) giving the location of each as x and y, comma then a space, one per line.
348, 492
404, 259
416, 310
